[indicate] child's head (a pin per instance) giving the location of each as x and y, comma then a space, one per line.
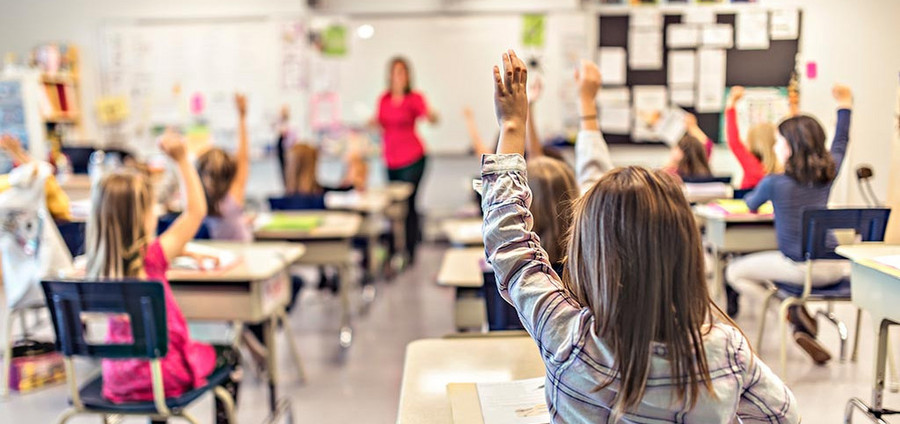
121, 223
553, 190
303, 163
217, 169
800, 147
690, 155
761, 139
635, 259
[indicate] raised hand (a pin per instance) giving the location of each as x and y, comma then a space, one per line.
172, 144
240, 101
843, 95
13, 147
737, 93
534, 91
511, 103
690, 120
588, 80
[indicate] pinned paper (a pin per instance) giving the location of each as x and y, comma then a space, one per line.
649, 102
682, 96
812, 70
719, 36
752, 30
197, 104
682, 67
613, 65
533, 30
681, 36
785, 24
112, 109
710, 80
697, 15
646, 18
645, 49
615, 110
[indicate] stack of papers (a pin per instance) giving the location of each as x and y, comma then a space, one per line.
514, 402
739, 207
198, 257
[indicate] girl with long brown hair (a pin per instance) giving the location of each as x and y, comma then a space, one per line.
632, 335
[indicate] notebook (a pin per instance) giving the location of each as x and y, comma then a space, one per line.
739, 207
291, 223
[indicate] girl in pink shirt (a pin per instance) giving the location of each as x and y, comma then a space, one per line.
120, 244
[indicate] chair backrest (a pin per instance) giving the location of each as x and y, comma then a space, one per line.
710, 179
500, 314
297, 202
73, 234
72, 303
166, 220
819, 226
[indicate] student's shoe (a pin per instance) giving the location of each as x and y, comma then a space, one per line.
813, 348
733, 306
799, 316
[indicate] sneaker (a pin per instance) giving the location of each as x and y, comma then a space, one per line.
812, 347
799, 316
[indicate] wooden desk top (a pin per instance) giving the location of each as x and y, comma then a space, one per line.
258, 261
335, 225
464, 232
431, 364
461, 267
369, 201
865, 253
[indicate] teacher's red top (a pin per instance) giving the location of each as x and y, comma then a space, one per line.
402, 146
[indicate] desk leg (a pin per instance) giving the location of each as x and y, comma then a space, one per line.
270, 326
880, 359
717, 291
346, 335
368, 294
292, 344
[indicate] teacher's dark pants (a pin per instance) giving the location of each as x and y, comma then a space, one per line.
411, 174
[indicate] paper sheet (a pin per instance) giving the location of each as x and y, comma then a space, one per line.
785, 24
615, 110
649, 102
698, 15
717, 36
614, 96
682, 96
682, 67
612, 65
514, 402
752, 27
710, 80
645, 50
681, 36
646, 17
671, 126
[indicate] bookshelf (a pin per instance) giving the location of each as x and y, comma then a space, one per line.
60, 92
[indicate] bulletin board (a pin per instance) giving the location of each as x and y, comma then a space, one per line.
772, 67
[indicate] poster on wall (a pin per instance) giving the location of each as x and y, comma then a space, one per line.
533, 30
12, 118
759, 105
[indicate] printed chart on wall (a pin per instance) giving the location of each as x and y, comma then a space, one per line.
184, 73
659, 64
12, 117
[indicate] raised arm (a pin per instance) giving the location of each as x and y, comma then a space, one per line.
13, 147
844, 98
474, 137
694, 130
749, 163
186, 225
592, 157
524, 274
242, 156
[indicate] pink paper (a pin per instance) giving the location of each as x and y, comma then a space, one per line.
197, 104
812, 70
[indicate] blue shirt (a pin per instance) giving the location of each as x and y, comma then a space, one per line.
790, 198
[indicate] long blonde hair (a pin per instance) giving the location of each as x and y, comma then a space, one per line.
635, 259
553, 189
217, 169
303, 161
116, 232
761, 140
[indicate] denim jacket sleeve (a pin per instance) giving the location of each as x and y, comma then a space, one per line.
523, 271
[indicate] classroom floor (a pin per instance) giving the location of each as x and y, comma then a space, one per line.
363, 386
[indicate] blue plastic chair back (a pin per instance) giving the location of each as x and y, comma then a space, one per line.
819, 225
297, 202
166, 220
73, 234
71, 302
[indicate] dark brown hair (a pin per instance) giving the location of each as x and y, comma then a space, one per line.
635, 259
217, 170
810, 163
694, 162
406, 66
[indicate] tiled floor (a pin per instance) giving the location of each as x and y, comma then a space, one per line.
364, 385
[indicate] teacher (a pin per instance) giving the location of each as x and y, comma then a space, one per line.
404, 153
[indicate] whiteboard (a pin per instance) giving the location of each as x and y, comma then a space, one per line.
452, 58
165, 68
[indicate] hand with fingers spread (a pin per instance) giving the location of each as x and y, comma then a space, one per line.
511, 103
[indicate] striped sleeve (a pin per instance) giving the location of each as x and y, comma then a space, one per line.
764, 397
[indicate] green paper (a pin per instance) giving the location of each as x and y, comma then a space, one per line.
334, 40
292, 223
533, 30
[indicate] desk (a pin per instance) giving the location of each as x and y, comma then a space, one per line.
461, 269
329, 244
255, 290
876, 288
728, 234
464, 232
431, 364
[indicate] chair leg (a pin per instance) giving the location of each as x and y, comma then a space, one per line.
189, 418
855, 354
7, 356
892, 383
856, 404
228, 401
66, 416
842, 330
762, 319
782, 325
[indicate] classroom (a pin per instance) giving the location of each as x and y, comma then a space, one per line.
449, 211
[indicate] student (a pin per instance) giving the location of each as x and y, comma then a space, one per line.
225, 181
759, 160
809, 172
120, 244
302, 167
635, 305
285, 140
57, 201
689, 158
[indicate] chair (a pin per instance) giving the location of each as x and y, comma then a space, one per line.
819, 242
70, 303
297, 202
501, 315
